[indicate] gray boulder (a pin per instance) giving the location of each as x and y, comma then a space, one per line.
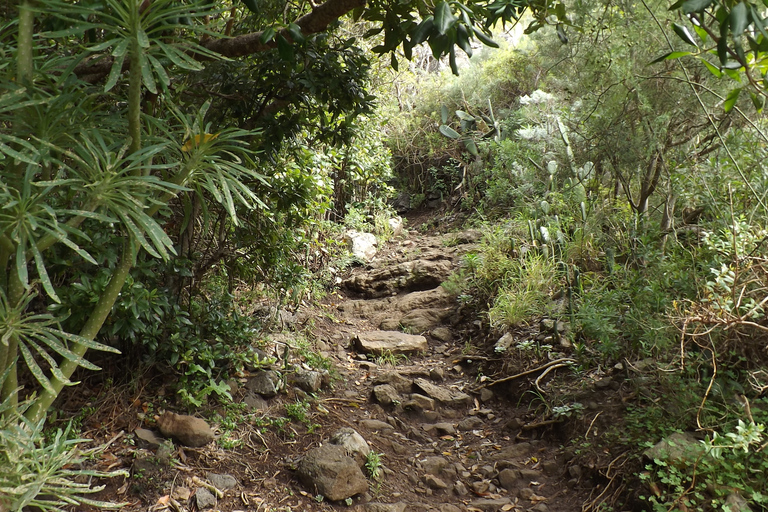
329, 471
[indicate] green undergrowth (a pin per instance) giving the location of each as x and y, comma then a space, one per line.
658, 278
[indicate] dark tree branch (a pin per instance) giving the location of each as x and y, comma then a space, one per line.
311, 23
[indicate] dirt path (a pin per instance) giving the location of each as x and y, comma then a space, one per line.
446, 441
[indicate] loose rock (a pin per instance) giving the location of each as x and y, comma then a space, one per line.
420, 403
362, 245
265, 383
308, 380
393, 342
187, 430
205, 499
446, 396
376, 425
434, 482
386, 394
329, 471
147, 439
353, 442
678, 448
491, 505
470, 423
434, 465
222, 482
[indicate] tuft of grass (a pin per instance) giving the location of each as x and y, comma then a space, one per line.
525, 291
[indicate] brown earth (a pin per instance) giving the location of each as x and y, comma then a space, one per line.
500, 448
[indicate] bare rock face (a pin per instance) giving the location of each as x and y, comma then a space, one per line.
187, 430
393, 342
424, 274
329, 471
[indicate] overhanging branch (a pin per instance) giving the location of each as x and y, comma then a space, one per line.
95, 70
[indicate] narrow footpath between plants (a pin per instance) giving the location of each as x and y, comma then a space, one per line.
451, 422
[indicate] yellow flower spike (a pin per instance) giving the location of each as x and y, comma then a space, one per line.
197, 140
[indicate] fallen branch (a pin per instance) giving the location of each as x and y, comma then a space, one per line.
550, 365
553, 367
215, 490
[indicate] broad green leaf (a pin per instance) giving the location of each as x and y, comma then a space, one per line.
136, 232
730, 100
739, 18
701, 33
759, 22
42, 273
560, 12
35, 369
671, 55
160, 70
444, 18
267, 35
695, 5
142, 38
462, 39
732, 74
393, 61
712, 69
295, 32
85, 342
758, 100
146, 74
21, 265
449, 132
284, 48
444, 113
464, 116
684, 34
252, 6
423, 30
121, 49
115, 72
561, 33
471, 147
722, 50
484, 38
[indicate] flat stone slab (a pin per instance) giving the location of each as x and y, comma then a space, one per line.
392, 342
441, 394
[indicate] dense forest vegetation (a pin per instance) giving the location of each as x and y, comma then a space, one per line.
159, 156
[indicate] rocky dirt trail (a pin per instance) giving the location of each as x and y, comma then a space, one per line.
405, 384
